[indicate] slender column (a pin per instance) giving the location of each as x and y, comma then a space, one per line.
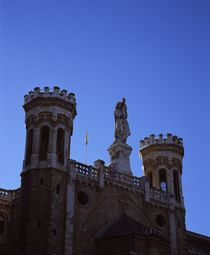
170, 181
180, 189
52, 147
66, 147
147, 191
156, 182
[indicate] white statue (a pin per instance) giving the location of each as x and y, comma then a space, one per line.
122, 130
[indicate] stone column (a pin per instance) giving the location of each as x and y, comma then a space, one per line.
147, 191
35, 149
180, 189
170, 181
155, 175
52, 147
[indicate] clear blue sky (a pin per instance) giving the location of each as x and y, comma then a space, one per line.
155, 53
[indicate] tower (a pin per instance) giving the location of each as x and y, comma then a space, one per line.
49, 125
162, 163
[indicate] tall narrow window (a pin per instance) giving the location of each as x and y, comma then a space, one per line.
60, 146
44, 142
29, 146
176, 185
1, 227
58, 189
163, 179
149, 175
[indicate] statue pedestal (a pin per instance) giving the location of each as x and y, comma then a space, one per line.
120, 154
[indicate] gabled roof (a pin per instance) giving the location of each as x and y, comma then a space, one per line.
123, 225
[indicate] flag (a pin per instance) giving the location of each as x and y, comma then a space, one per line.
86, 138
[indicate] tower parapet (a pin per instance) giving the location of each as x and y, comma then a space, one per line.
56, 93
161, 139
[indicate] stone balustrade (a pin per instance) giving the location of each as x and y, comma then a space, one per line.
85, 171
56, 93
161, 139
159, 195
124, 178
91, 173
9, 195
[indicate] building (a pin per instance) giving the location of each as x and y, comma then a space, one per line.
66, 207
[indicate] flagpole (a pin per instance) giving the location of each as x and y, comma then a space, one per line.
85, 153
86, 142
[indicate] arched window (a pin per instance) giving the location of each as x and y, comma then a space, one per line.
149, 175
44, 142
163, 179
176, 185
60, 146
29, 146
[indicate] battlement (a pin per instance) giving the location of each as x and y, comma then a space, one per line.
161, 139
56, 93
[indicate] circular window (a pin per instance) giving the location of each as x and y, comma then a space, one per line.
82, 198
160, 220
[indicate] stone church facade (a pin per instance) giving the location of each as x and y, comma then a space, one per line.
64, 207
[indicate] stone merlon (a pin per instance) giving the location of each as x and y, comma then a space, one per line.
56, 93
161, 139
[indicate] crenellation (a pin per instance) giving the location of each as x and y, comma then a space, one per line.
64, 92
56, 90
55, 93
161, 139
46, 90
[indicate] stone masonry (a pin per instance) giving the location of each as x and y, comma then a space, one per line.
64, 207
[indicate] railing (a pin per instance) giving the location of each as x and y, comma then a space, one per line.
4, 194
91, 173
160, 195
9, 195
124, 178
85, 171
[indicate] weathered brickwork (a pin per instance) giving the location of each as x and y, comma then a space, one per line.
64, 207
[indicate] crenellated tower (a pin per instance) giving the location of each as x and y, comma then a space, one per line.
162, 163
49, 125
